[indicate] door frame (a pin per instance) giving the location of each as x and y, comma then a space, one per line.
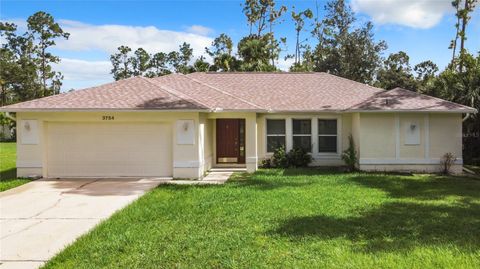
241, 143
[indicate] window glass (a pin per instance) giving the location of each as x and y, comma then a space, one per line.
304, 142
327, 127
275, 134
327, 136
302, 127
274, 142
327, 144
276, 127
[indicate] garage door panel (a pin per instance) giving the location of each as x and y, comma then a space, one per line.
109, 149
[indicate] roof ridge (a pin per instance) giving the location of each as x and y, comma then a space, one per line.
175, 93
224, 92
354, 81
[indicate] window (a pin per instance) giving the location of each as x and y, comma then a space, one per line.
275, 134
327, 136
302, 134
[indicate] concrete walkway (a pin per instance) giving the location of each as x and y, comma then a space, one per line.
40, 218
215, 176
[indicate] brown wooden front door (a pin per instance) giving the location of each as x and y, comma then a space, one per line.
230, 140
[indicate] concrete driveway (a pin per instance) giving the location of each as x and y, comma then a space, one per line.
40, 218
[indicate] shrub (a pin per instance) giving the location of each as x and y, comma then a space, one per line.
266, 163
279, 158
298, 157
349, 156
447, 161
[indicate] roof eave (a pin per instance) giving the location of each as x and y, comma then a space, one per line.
99, 110
413, 110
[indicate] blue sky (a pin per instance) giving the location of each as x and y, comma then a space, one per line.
422, 28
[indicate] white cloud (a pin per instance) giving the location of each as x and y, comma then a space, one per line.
199, 30
109, 37
75, 69
284, 64
413, 13
80, 73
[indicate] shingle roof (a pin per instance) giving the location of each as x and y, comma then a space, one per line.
287, 92
402, 99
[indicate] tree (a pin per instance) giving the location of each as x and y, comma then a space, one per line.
463, 17
396, 72
343, 49
221, 52
43, 30
255, 53
263, 15
122, 63
201, 65
426, 73
299, 21
140, 62
158, 65
25, 60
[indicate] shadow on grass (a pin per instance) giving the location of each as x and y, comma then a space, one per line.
429, 188
395, 227
262, 180
8, 174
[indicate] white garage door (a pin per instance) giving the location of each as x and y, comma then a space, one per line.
109, 150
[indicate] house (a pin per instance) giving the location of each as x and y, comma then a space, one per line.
182, 125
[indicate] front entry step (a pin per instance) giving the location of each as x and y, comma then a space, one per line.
228, 169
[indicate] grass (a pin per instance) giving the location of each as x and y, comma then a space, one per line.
8, 171
292, 219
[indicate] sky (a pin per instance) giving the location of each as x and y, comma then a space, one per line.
422, 28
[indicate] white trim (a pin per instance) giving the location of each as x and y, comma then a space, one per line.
397, 136
253, 159
403, 161
426, 122
187, 164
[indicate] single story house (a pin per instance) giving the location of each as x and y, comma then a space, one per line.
182, 125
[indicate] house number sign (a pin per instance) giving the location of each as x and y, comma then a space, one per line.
108, 117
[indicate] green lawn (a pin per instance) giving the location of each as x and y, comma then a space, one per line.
8, 172
292, 219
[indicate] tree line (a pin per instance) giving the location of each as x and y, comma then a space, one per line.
26, 62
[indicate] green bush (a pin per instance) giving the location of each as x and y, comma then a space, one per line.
279, 158
296, 157
349, 156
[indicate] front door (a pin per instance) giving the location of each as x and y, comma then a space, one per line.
230, 141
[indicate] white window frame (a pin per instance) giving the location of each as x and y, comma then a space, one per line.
312, 144
337, 150
274, 135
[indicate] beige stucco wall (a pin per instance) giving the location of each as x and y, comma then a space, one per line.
379, 137
32, 159
383, 144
